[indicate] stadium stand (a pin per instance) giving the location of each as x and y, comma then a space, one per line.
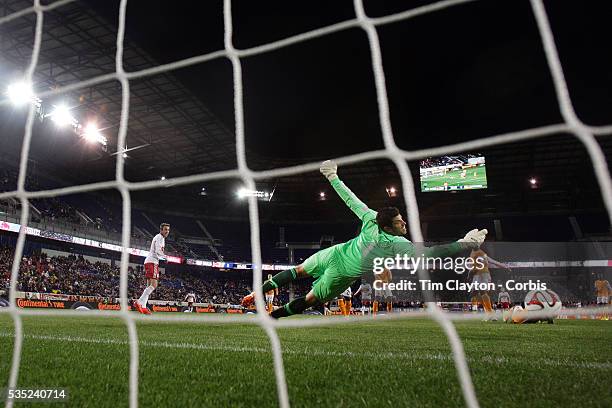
81, 275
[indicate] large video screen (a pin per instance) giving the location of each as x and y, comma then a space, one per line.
452, 173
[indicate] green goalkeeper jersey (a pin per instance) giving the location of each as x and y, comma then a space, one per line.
357, 255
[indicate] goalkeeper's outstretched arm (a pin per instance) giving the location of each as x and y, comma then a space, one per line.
472, 239
329, 170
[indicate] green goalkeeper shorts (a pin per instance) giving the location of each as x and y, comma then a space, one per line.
330, 276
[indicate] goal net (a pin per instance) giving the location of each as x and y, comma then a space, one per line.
584, 133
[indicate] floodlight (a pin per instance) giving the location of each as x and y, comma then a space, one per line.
92, 134
61, 116
262, 195
20, 93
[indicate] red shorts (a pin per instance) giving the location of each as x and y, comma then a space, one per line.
151, 271
505, 305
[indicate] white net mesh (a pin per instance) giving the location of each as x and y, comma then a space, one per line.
586, 134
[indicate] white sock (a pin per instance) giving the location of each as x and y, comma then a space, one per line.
144, 298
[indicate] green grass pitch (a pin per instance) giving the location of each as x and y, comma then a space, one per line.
453, 178
371, 364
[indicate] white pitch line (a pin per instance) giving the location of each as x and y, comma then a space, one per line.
391, 355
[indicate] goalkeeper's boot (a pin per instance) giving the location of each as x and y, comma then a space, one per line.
248, 300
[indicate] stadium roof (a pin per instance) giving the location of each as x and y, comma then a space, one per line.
464, 73
78, 44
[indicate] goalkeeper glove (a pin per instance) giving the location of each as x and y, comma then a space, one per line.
474, 238
329, 169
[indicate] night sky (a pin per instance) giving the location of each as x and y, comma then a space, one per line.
466, 72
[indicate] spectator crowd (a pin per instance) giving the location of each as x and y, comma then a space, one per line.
75, 275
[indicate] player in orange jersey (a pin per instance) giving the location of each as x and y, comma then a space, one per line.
386, 294
603, 290
345, 301
481, 274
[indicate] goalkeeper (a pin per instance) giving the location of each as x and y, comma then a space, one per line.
336, 268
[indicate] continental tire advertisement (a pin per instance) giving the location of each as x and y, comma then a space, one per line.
64, 304
76, 305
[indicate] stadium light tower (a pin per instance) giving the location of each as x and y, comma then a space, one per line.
20, 93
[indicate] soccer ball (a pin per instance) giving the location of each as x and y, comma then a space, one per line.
543, 301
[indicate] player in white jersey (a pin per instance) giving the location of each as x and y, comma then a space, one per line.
503, 298
190, 298
151, 266
344, 301
366, 296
